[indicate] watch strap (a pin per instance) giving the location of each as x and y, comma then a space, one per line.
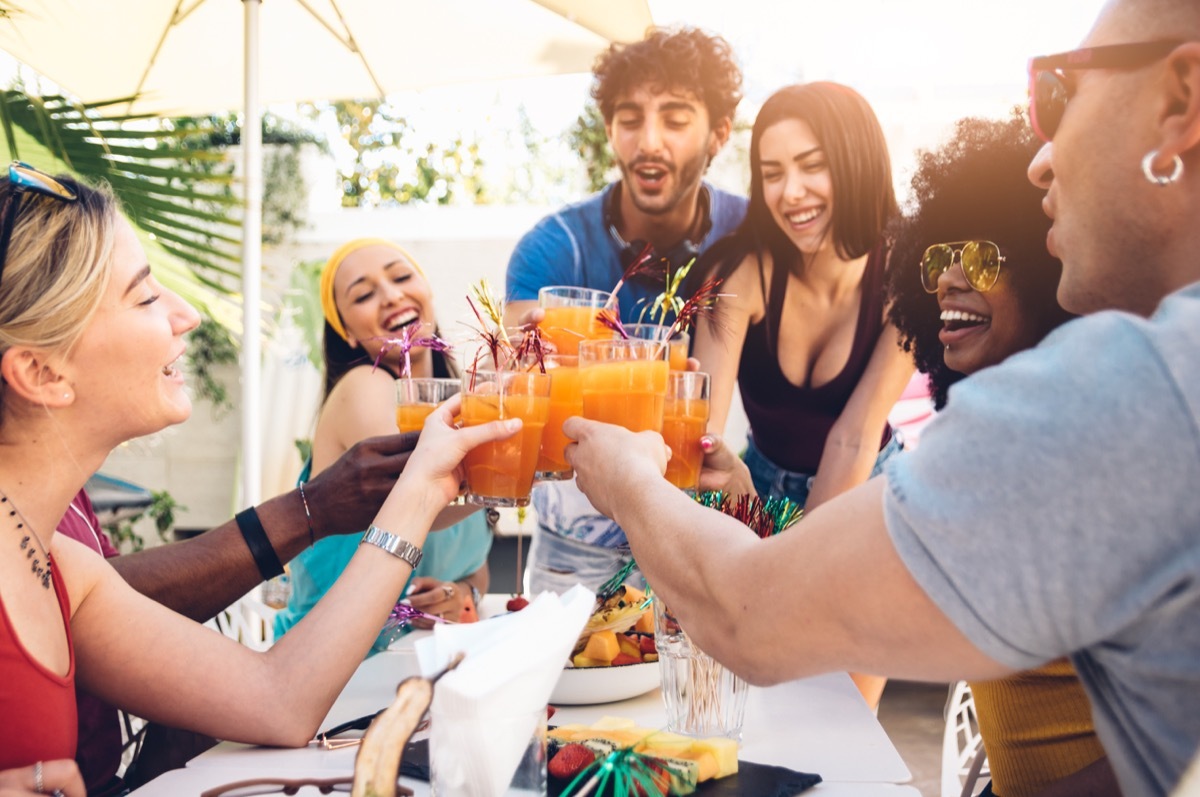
393, 544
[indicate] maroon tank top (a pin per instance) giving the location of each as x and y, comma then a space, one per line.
37, 705
790, 423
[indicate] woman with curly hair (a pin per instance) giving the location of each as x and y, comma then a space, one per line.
972, 284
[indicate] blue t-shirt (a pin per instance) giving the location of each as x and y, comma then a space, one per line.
575, 247
1052, 509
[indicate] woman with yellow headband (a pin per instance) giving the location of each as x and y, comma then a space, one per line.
371, 290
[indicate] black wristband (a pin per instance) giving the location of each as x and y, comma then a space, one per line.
260, 547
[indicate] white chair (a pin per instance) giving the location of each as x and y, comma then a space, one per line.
248, 621
964, 762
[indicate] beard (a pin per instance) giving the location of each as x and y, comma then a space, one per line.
683, 180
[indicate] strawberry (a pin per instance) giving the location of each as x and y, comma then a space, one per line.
516, 603
570, 761
625, 658
646, 643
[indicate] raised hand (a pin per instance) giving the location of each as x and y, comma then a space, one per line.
723, 469
610, 460
345, 497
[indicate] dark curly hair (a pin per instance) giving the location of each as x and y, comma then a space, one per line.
669, 59
974, 186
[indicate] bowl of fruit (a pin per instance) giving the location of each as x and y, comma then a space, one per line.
615, 657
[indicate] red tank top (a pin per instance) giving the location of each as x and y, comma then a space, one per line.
790, 423
37, 706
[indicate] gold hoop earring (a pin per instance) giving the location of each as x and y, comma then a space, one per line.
1162, 180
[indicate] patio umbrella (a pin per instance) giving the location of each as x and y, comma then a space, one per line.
180, 57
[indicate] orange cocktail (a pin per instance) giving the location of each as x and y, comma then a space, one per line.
680, 341
566, 400
624, 382
685, 417
416, 398
571, 316
501, 473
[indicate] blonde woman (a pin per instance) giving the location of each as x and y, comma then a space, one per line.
89, 343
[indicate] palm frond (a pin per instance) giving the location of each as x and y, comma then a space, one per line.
211, 296
180, 194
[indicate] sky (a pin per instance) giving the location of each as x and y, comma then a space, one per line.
920, 63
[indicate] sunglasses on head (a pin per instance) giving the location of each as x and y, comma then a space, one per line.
980, 261
24, 179
1048, 85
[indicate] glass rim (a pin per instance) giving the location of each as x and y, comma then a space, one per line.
574, 292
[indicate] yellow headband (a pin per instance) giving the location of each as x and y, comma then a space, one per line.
328, 305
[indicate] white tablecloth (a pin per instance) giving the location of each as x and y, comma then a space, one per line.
816, 724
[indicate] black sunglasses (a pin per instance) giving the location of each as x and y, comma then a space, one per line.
23, 179
1048, 92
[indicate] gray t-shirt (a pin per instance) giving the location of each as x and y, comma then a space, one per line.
1054, 508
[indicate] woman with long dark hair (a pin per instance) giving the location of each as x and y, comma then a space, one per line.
804, 333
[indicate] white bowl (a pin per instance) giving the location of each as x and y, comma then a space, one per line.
582, 686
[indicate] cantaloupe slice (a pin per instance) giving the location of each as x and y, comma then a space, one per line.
602, 646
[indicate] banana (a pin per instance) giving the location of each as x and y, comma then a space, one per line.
377, 765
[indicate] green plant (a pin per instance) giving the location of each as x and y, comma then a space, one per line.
161, 510
210, 345
590, 141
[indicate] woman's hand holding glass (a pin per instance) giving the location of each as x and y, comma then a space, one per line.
437, 460
723, 469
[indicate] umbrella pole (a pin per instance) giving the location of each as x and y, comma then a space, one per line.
252, 267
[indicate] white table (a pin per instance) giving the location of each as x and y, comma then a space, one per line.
816, 724
193, 780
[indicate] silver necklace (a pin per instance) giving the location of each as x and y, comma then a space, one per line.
41, 571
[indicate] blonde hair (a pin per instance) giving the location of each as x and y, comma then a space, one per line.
57, 267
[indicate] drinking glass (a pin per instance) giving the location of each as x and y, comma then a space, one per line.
501, 473
685, 416
624, 382
416, 398
701, 696
679, 341
566, 400
571, 316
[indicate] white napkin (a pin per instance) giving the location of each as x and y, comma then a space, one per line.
487, 709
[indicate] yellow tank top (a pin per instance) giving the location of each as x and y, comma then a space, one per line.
1036, 727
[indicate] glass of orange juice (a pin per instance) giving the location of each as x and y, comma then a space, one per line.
571, 316
679, 341
624, 382
416, 398
566, 400
685, 415
501, 473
